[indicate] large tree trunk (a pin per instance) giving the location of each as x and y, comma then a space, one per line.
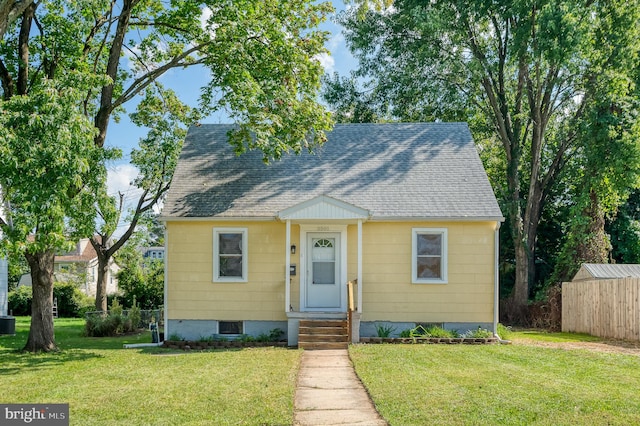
41, 334
101, 285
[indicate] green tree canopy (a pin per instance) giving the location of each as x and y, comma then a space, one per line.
522, 69
260, 56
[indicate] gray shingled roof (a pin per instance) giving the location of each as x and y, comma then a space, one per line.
606, 270
420, 170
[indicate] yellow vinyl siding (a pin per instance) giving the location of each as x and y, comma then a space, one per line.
388, 293
192, 294
387, 288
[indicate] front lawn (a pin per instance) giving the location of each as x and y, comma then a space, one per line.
107, 385
500, 384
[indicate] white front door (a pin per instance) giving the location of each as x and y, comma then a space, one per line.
323, 289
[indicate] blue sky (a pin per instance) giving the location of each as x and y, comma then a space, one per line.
187, 84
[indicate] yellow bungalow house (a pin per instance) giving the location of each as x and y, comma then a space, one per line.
404, 210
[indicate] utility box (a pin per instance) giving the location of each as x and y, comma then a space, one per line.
8, 325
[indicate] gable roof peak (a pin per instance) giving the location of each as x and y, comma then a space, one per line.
323, 207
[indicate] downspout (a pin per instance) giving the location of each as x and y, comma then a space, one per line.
496, 285
287, 268
166, 284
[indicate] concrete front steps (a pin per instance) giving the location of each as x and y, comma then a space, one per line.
323, 334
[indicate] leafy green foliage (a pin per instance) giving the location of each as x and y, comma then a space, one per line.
142, 282
113, 323
71, 301
350, 103
18, 266
384, 330
420, 332
548, 90
50, 166
479, 333
20, 301
625, 231
504, 332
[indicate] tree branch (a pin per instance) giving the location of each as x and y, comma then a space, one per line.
10, 10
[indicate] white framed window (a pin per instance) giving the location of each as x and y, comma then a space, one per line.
230, 257
429, 256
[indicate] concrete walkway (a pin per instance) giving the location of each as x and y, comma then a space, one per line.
329, 392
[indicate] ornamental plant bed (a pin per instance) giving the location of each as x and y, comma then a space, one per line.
188, 345
428, 340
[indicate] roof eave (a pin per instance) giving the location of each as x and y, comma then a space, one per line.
369, 219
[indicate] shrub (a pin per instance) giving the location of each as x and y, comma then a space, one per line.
430, 331
384, 330
135, 316
276, 334
175, 337
20, 301
71, 301
144, 284
406, 333
479, 333
114, 322
504, 332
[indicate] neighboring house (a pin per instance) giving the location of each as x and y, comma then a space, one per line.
404, 209
153, 253
81, 265
603, 271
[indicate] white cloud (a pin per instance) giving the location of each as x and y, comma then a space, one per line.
336, 41
327, 62
206, 14
120, 179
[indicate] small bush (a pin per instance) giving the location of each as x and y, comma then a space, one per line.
504, 332
480, 333
435, 331
430, 331
114, 322
175, 337
384, 330
263, 337
276, 335
135, 316
20, 301
71, 301
406, 333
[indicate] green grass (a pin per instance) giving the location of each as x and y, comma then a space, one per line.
107, 385
499, 384
544, 336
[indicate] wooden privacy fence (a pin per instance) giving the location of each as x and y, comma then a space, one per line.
604, 308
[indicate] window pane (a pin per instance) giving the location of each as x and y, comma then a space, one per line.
324, 272
231, 266
429, 267
230, 327
230, 243
429, 244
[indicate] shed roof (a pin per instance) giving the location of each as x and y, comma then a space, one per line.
606, 270
393, 171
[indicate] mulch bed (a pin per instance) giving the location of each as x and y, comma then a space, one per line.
429, 340
189, 345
